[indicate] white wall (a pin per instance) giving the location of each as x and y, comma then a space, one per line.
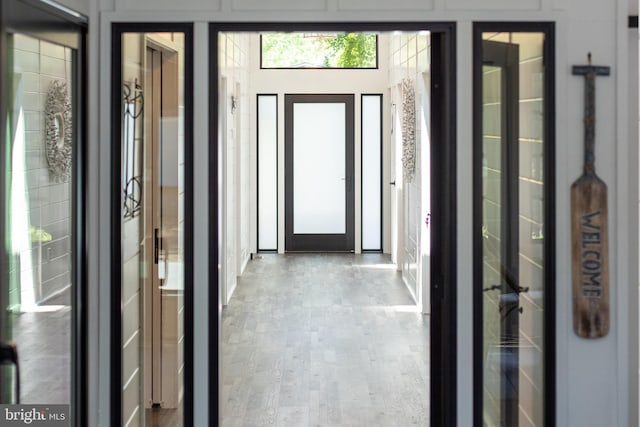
409, 58
237, 168
594, 387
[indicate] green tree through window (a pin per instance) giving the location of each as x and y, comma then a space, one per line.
319, 50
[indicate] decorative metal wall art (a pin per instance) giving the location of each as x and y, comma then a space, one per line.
59, 133
408, 129
132, 109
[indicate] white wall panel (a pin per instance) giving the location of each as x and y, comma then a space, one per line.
169, 5
275, 5
493, 4
387, 5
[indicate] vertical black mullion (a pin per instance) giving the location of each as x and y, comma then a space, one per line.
189, 227
510, 323
443, 238
116, 230
350, 171
214, 235
288, 171
381, 166
80, 241
477, 227
549, 255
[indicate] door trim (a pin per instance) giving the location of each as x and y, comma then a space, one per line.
319, 242
444, 262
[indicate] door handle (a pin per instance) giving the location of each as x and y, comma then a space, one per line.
156, 246
9, 354
392, 183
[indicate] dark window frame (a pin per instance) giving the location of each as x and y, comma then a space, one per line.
117, 31
549, 387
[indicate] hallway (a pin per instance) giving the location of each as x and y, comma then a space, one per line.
324, 339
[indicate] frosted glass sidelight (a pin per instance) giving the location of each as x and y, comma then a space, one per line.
267, 172
371, 173
319, 184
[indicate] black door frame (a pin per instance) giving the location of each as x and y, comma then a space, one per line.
319, 242
549, 163
66, 27
443, 358
115, 391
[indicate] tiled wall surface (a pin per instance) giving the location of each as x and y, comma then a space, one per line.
233, 57
409, 59
47, 206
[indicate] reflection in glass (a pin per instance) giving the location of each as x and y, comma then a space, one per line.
152, 167
39, 221
512, 229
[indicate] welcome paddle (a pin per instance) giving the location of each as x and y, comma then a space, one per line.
589, 231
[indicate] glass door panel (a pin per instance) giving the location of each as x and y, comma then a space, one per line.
40, 225
319, 176
319, 167
152, 223
40, 215
511, 207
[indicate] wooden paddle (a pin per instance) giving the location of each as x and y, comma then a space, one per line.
589, 232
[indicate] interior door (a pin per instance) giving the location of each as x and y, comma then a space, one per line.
164, 289
319, 169
41, 220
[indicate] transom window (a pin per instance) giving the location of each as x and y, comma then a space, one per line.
319, 50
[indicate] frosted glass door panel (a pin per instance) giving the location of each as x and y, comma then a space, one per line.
371, 172
319, 175
267, 172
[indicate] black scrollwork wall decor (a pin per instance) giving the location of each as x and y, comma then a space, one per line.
408, 129
59, 133
132, 109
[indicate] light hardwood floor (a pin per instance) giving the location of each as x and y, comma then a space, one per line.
324, 340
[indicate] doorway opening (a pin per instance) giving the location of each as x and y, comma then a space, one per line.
412, 83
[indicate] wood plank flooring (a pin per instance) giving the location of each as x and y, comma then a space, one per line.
324, 340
